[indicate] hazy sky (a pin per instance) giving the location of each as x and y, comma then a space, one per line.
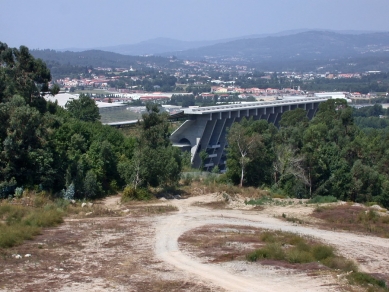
58, 24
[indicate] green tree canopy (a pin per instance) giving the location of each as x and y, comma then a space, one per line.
84, 109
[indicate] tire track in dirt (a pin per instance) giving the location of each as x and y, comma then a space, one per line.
171, 227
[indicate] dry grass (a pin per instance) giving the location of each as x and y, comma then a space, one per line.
221, 243
197, 188
352, 218
23, 222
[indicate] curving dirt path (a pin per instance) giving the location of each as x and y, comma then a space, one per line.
372, 253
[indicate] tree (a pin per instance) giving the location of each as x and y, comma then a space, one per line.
244, 143
155, 162
84, 109
25, 155
203, 156
288, 163
22, 74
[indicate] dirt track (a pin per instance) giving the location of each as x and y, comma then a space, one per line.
373, 252
141, 252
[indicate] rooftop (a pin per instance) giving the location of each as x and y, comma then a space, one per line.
254, 105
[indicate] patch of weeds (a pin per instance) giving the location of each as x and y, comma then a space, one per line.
353, 218
260, 201
22, 223
294, 249
322, 200
366, 280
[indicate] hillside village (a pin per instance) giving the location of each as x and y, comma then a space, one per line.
115, 85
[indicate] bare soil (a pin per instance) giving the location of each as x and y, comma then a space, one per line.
140, 251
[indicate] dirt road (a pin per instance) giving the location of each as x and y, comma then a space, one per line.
372, 253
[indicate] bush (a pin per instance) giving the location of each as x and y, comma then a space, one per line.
69, 193
272, 251
187, 179
297, 256
321, 252
18, 192
130, 193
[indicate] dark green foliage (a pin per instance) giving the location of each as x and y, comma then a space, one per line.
23, 75
155, 161
326, 158
25, 154
258, 160
46, 147
84, 109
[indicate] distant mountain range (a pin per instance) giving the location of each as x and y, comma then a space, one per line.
301, 50
311, 45
159, 46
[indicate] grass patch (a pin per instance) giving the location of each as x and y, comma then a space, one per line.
368, 281
293, 249
22, 222
353, 218
269, 200
322, 200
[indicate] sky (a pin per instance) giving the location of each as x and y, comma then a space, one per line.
61, 24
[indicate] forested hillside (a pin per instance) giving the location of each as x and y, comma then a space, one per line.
328, 156
341, 152
69, 153
96, 58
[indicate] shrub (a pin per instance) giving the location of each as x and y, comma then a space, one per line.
69, 193
130, 193
340, 263
321, 252
267, 236
187, 179
272, 251
297, 256
18, 192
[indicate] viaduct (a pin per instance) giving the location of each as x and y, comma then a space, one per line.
206, 127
